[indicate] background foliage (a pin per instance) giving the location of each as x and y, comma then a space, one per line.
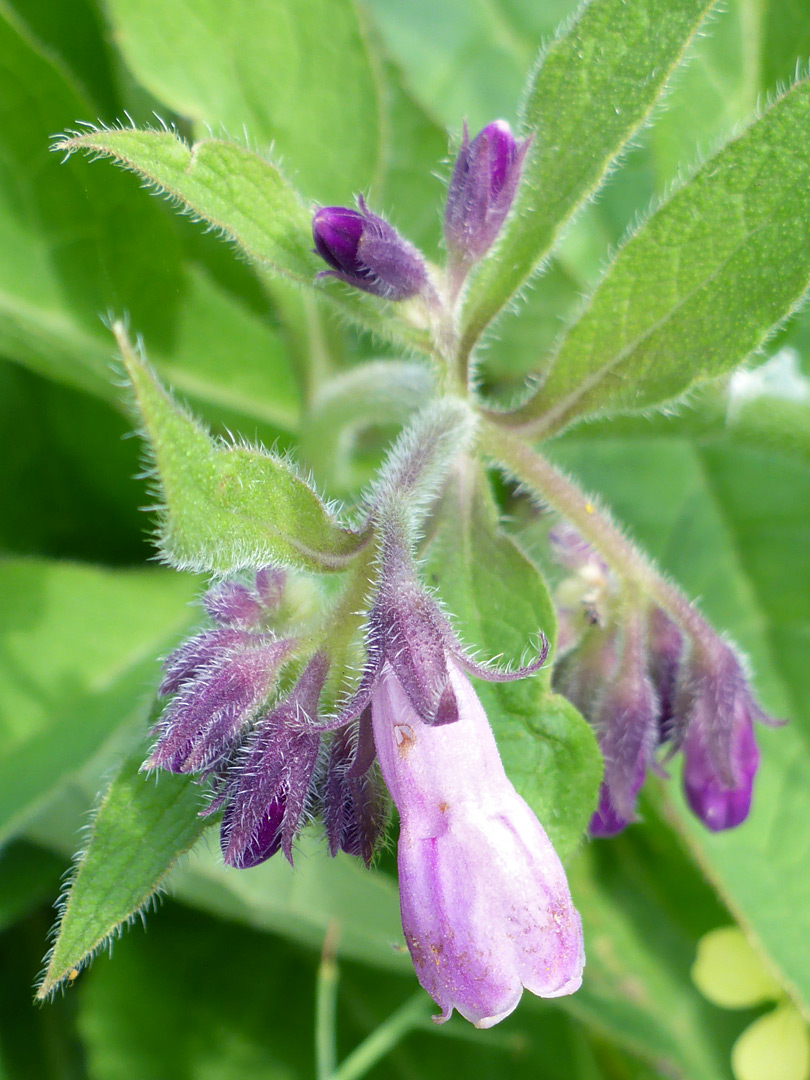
719, 493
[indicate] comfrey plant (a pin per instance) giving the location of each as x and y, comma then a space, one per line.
335, 680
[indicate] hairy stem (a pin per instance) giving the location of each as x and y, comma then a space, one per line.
634, 570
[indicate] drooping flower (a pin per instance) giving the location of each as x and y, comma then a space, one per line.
485, 903
681, 688
627, 729
365, 251
269, 788
713, 723
482, 188
355, 810
220, 677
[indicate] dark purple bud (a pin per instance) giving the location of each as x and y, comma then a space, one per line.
206, 717
717, 805
714, 714
269, 784
482, 189
368, 253
665, 651
605, 821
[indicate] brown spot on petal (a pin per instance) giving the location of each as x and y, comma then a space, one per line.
403, 733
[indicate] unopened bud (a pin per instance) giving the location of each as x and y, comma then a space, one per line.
368, 253
482, 189
714, 715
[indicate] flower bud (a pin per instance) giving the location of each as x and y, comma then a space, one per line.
482, 189
714, 712
269, 785
627, 730
486, 909
665, 649
232, 604
354, 807
368, 253
204, 720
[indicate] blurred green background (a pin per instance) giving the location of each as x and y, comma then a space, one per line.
352, 98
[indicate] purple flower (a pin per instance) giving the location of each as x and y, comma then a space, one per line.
207, 715
627, 729
220, 677
355, 810
485, 903
270, 786
482, 189
368, 253
408, 632
714, 714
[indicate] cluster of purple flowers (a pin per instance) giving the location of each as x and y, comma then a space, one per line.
257, 711
261, 748
485, 903
645, 684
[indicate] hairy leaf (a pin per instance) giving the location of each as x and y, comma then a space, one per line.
699, 286
593, 88
139, 832
227, 507
248, 199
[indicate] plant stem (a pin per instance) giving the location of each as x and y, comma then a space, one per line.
632, 568
384, 1038
326, 990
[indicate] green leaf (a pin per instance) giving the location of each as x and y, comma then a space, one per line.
77, 647
595, 86
227, 507
732, 525
500, 601
699, 286
78, 243
296, 74
246, 197
197, 999
139, 832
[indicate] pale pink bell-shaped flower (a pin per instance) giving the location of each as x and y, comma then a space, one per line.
486, 908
